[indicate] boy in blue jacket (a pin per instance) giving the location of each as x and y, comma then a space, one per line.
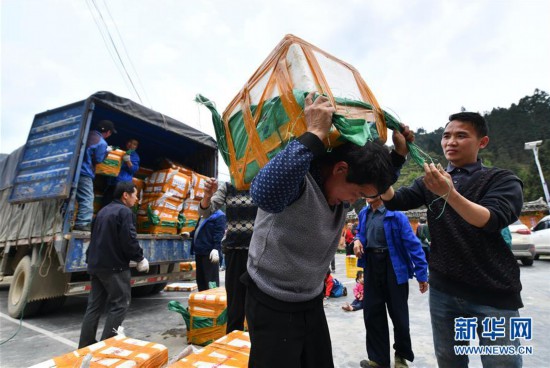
130, 165
206, 246
391, 254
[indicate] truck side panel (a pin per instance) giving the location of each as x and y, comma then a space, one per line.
50, 155
156, 250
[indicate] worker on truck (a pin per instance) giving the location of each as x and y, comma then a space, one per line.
96, 151
130, 165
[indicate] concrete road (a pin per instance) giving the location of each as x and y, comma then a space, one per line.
43, 337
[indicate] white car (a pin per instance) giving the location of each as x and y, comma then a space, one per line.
540, 234
522, 243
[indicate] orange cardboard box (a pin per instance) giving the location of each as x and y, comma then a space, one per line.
231, 350
118, 351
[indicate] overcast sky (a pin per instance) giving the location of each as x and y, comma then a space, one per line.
423, 60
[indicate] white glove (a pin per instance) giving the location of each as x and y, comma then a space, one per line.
109, 149
126, 158
214, 256
143, 265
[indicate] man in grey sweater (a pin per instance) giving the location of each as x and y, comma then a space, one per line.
303, 195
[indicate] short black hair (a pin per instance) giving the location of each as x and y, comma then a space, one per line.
123, 187
478, 122
358, 275
367, 164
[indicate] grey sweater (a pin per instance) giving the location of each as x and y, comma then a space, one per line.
290, 251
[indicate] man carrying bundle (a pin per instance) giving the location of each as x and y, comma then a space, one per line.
303, 195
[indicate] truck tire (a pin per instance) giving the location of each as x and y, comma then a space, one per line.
141, 291
527, 261
53, 304
157, 288
19, 291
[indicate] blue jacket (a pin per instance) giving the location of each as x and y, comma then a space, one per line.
406, 254
210, 233
95, 153
127, 173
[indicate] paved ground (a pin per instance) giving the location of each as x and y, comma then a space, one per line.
44, 337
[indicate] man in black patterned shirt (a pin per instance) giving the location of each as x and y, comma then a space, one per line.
240, 212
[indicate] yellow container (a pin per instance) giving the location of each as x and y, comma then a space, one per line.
351, 267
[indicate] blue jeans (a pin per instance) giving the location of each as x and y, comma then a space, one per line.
85, 199
444, 308
111, 292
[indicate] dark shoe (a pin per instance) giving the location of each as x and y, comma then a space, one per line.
400, 362
345, 291
368, 364
84, 228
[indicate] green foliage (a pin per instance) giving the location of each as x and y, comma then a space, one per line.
509, 129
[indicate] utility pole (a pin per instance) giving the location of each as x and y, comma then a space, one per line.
535, 147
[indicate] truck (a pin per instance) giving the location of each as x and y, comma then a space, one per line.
40, 256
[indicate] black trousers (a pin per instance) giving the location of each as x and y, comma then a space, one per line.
288, 339
381, 291
206, 272
235, 266
113, 290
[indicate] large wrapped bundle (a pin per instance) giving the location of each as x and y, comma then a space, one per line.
268, 111
118, 351
168, 181
206, 316
112, 163
231, 350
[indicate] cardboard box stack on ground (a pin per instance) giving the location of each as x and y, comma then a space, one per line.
268, 112
111, 165
206, 316
118, 351
231, 350
181, 286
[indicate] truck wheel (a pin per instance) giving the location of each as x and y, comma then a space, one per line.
19, 291
527, 261
53, 304
157, 288
141, 291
